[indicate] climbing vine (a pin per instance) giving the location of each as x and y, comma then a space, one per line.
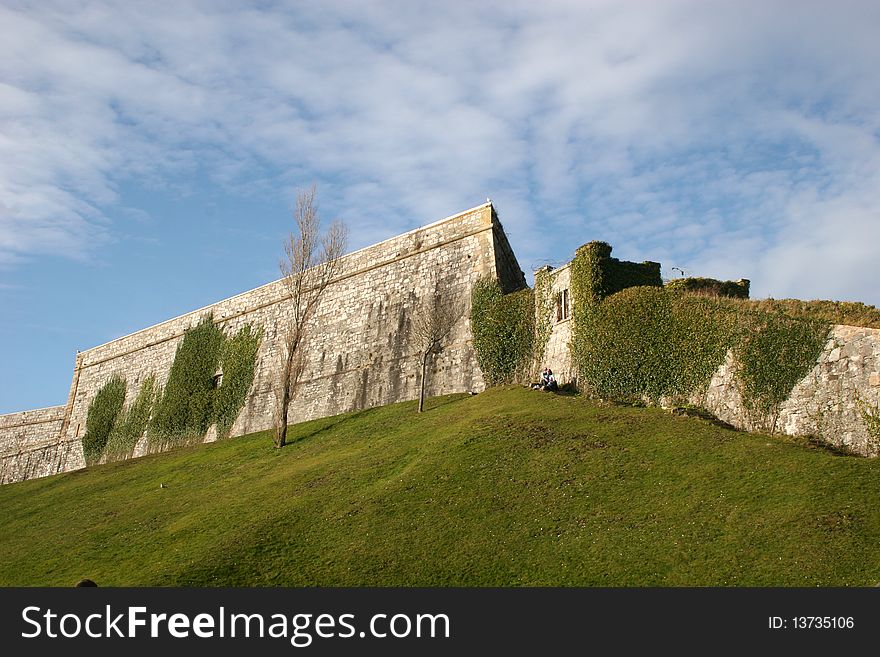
870, 414
504, 331
132, 422
774, 352
544, 305
186, 407
238, 359
595, 275
102, 415
648, 343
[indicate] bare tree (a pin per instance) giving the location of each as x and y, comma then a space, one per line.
430, 327
311, 261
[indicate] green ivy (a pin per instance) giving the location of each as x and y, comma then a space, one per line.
504, 332
131, 423
595, 275
238, 360
103, 413
185, 410
774, 352
644, 343
544, 308
648, 343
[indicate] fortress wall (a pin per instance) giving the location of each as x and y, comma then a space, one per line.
30, 428
360, 353
29, 445
510, 276
824, 403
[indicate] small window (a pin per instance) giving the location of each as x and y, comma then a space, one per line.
218, 380
562, 306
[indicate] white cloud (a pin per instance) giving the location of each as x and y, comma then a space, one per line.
725, 138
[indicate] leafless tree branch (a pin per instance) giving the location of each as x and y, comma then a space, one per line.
311, 261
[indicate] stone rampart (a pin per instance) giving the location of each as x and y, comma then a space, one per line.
360, 353
824, 404
30, 446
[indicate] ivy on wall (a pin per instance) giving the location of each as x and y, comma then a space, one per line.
870, 414
645, 343
544, 308
132, 422
191, 401
238, 359
774, 352
186, 407
103, 412
504, 332
595, 275
648, 343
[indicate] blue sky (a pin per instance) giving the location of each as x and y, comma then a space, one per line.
150, 152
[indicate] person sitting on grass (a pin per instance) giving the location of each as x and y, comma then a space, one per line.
543, 382
550, 384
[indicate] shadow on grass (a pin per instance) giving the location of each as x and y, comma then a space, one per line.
431, 403
819, 443
702, 414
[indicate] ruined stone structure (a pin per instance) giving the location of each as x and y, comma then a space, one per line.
825, 403
359, 356
557, 355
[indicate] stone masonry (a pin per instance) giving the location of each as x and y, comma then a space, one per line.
29, 445
360, 353
557, 355
824, 403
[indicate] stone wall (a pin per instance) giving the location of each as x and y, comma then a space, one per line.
30, 446
557, 355
360, 352
824, 403
510, 276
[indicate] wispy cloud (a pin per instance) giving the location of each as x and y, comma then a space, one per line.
725, 138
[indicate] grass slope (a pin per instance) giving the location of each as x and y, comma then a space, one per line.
511, 487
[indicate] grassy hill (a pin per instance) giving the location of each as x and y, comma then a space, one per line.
511, 487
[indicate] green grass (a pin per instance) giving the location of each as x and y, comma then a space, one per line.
508, 488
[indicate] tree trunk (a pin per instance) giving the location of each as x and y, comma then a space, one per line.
422, 390
281, 426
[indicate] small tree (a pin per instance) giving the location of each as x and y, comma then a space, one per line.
311, 261
430, 328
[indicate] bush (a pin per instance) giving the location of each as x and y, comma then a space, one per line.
711, 287
103, 413
832, 312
